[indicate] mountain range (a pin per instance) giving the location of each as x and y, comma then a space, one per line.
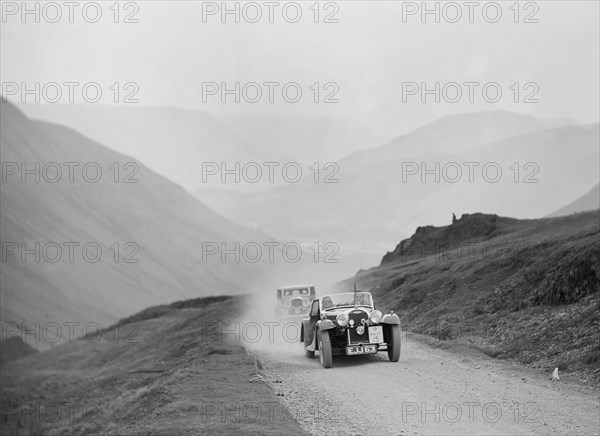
175, 142
492, 162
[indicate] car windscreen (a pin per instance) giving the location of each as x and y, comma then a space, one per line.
300, 291
349, 299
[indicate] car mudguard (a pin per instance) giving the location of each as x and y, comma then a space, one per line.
325, 324
390, 318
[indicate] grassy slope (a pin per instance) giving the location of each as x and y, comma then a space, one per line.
526, 289
166, 373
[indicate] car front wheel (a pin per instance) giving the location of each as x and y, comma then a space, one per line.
393, 342
324, 349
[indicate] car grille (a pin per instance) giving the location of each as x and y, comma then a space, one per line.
357, 316
353, 337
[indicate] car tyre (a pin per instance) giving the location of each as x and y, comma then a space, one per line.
325, 349
394, 342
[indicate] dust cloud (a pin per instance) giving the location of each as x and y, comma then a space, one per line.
262, 331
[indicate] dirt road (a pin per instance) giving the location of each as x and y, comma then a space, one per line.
429, 391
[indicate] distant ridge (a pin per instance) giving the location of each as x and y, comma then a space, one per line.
589, 201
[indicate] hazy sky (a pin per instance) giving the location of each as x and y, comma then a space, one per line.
369, 54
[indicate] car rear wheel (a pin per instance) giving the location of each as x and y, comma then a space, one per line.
393, 342
324, 349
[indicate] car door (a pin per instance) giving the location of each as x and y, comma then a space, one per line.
314, 316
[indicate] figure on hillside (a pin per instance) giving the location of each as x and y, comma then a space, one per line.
453, 218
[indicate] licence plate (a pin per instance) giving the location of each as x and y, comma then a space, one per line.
367, 349
376, 334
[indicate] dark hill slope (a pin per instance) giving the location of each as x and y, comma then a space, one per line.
469, 228
13, 348
527, 289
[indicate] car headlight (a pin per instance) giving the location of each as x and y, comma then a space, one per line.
342, 319
375, 317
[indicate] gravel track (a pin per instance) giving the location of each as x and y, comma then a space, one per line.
429, 391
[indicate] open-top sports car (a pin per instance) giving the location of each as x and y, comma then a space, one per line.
349, 324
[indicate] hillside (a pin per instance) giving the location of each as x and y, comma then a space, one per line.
588, 201
164, 226
522, 289
161, 371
